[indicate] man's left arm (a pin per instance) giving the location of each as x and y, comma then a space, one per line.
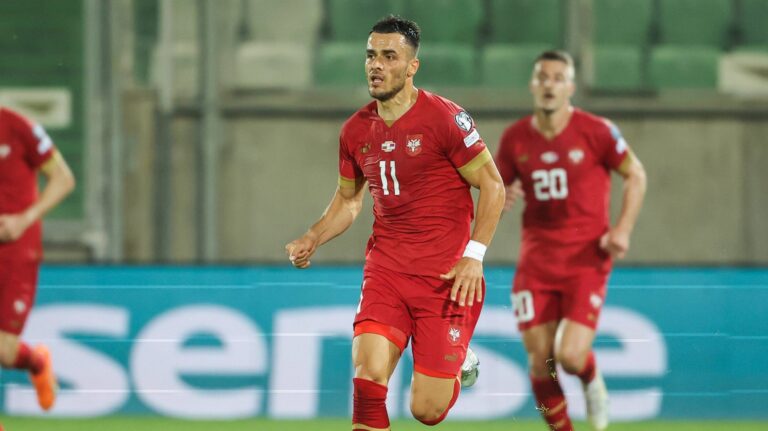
616, 240
468, 271
59, 183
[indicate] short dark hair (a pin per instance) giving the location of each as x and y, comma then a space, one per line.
397, 24
555, 54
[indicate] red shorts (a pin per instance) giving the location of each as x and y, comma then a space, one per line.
578, 298
18, 284
406, 307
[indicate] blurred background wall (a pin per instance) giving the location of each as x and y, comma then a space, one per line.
206, 131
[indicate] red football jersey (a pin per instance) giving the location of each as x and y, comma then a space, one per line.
422, 206
567, 186
24, 147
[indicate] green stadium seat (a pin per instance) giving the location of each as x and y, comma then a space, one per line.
618, 67
526, 21
446, 21
685, 67
447, 65
753, 25
351, 20
694, 22
31, 60
509, 65
623, 22
341, 64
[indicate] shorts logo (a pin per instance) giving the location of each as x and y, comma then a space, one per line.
595, 300
388, 146
576, 155
549, 157
413, 147
464, 121
454, 335
5, 151
19, 306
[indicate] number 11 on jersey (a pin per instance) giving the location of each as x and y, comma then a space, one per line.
384, 182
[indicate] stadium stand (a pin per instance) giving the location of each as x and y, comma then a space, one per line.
519, 31
33, 62
339, 61
692, 34
620, 44
752, 22
277, 52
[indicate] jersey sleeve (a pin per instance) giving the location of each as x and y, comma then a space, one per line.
462, 144
349, 170
613, 147
38, 146
505, 158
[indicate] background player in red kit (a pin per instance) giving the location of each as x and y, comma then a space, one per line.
419, 153
560, 160
25, 149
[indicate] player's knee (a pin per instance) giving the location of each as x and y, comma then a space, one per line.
7, 355
372, 372
428, 412
572, 360
540, 364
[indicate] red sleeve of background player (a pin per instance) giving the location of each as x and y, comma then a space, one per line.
349, 171
505, 158
613, 147
38, 146
462, 143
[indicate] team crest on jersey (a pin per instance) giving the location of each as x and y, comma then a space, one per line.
5, 151
388, 146
464, 121
413, 145
365, 148
576, 155
454, 335
549, 157
522, 158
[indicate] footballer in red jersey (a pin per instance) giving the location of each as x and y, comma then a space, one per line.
423, 280
560, 160
25, 150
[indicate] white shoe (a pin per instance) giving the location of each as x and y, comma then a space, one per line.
596, 395
470, 369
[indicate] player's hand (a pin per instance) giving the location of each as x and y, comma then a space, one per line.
615, 242
300, 250
512, 193
467, 276
12, 226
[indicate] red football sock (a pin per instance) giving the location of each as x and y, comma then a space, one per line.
27, 359
588, 372
369, 407
550, 401
456, 390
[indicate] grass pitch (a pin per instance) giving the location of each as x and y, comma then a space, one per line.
122, 423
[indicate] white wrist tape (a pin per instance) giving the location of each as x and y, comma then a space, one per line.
475, 250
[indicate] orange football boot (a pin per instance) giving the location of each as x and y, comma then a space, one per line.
45, 381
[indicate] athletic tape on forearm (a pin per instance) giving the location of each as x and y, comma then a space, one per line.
475, 250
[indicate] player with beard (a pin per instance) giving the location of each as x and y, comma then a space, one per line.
423, 281
560, 160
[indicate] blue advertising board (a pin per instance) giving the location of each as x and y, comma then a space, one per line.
234, 342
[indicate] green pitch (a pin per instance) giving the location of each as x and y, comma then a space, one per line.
161, 424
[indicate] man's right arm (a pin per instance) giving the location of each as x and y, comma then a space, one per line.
341, 212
